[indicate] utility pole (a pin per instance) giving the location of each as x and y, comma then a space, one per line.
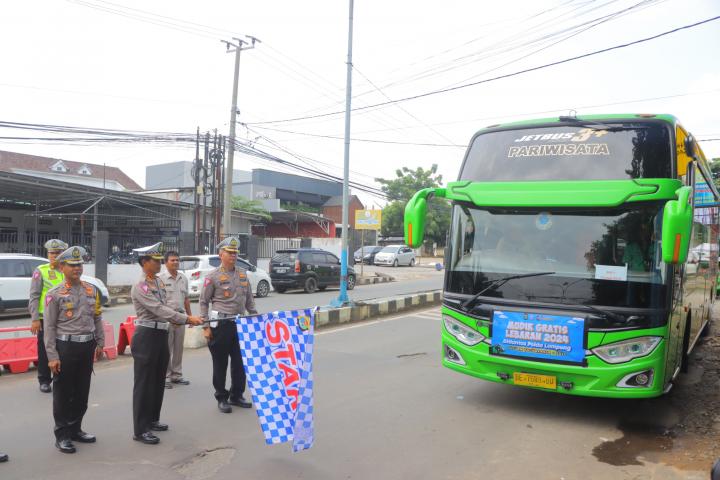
343, 297
238, 45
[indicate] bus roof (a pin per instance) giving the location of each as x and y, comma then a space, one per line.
671, 119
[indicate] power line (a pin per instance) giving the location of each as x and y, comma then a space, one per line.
368, 140
499, 77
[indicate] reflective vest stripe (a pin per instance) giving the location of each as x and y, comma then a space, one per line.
48, 284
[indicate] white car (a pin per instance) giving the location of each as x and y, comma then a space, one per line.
195, 267
16, 271
395, 255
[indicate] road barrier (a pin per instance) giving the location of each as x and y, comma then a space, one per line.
127, 328
18, 349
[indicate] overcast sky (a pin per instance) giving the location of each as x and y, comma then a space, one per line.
141, 65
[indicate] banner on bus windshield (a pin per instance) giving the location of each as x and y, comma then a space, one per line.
537, 336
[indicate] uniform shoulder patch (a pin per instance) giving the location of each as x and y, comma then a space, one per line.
144, 287
36, 274
48, 299
207, 282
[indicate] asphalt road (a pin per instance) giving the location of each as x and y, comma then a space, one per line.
289, 300
385, 408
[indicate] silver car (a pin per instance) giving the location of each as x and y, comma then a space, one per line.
395, 255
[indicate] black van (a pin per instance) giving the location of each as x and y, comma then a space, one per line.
307, 268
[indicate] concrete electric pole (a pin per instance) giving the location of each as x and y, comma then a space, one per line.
343, 297
237, 45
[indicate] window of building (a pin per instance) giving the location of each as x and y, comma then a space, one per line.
85, 170
59, 166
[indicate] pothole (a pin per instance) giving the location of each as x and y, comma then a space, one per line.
206, 464
639, 441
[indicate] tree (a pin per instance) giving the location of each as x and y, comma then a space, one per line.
399, 191
715, 171
251, 206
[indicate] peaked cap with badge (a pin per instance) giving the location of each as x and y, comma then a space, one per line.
230, 244
153, 251
55, 245
72, 256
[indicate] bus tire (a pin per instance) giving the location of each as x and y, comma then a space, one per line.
685, 363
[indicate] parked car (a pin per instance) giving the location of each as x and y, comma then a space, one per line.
195, 267
395, 255
366, 254
16, 271
307, 268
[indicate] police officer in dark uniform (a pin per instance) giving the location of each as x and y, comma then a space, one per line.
150, 344
228, 289
44, 278
73, 336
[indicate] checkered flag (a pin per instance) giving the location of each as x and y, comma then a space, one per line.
277, 349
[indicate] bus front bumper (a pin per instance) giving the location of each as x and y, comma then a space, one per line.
597, 379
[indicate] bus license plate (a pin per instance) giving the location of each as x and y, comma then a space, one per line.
535, 380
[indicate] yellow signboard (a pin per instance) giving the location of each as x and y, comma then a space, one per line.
368, 219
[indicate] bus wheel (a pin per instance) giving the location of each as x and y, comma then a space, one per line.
685, 365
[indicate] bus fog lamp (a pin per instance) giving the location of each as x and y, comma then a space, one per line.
452, 356
627, 350
462, 332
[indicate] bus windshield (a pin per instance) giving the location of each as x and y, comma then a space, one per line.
598, 256
580, 152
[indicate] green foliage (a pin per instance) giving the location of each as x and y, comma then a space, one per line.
300, 207
251, 206
400, 189
715, 171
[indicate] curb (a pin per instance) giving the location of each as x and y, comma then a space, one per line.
328, 317
386, 306
373, 280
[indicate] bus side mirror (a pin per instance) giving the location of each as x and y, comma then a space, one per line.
415, 212
677, 227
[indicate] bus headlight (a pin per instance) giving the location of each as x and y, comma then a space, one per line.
462, 332
626, 350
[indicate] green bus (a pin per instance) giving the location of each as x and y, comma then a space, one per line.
582, 254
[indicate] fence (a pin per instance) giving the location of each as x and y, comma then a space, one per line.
268, 246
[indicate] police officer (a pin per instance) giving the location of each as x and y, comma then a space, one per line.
73, 335
150, 344
44, 278
228, 288
176, 286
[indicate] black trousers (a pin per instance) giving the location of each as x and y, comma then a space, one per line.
223, 346
150, 355
43, 371
71, 386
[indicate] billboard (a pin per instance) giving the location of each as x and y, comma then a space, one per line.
368, 219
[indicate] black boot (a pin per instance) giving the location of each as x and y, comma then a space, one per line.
223, 406
240, 402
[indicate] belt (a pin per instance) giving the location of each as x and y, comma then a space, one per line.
149, 324
76, 338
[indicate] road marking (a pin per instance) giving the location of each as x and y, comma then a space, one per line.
372, 322
430, 315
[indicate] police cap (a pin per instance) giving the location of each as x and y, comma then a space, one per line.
152, 251
72, 256
230, 244
55, 245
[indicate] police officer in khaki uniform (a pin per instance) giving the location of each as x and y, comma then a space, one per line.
150, 344
228, 289
73, 336
44, 278
176, 285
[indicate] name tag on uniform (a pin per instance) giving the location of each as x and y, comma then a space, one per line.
213, 324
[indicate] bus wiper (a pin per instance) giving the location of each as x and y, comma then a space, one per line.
599, 125
599, 311
498, 282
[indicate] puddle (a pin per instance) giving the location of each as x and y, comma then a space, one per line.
638, 443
